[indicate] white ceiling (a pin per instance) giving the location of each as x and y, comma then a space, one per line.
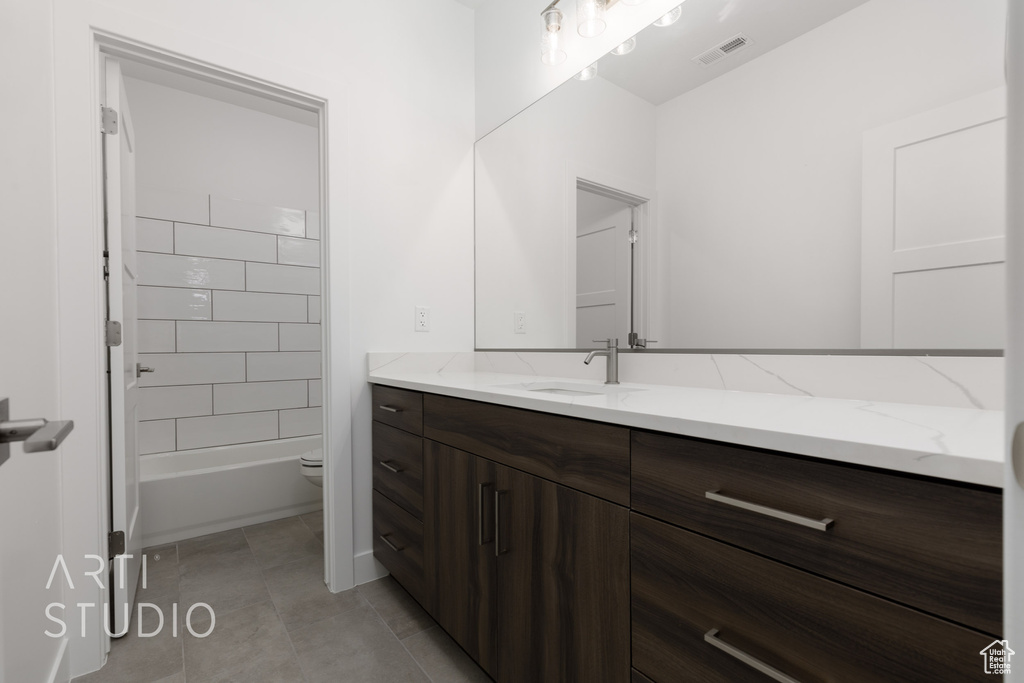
472, 4
660, 68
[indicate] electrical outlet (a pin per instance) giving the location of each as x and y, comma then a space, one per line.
422, 319
519, 324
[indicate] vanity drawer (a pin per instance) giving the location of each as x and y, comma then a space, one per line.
399, 408
925, 543
587, 456
398, 467
398, 544
686, 587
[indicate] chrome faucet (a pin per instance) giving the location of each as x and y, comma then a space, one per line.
612, 352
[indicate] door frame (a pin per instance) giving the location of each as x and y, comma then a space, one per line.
82, 31
641, 197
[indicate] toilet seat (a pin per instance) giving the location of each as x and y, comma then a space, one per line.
311, 465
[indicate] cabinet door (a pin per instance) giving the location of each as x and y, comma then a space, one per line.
459, 518
563, 583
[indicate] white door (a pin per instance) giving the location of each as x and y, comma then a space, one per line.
603, 265
119, 187
932, 269
1013, 486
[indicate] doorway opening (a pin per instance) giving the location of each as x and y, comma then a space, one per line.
217, 276
610, 265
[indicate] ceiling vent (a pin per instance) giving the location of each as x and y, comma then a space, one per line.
723, 50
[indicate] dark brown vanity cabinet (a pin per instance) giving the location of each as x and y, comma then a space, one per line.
531, 577
746, 561
398, 485
559, 549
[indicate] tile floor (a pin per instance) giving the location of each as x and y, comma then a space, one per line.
276, 622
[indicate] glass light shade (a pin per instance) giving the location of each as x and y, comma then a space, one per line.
670, 18
588, 73
626, 47
551, 52
590, 17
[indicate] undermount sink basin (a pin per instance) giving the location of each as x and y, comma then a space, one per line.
569, 388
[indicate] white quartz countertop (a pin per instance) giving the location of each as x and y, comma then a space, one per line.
959, 444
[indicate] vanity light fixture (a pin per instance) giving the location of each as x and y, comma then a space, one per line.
590, 17
626, 47
670, 18
551, 52
588, 73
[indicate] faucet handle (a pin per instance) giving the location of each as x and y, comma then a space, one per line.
611, 342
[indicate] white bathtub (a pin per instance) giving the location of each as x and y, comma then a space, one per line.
192, 493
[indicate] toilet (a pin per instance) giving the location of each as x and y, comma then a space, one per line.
311, 464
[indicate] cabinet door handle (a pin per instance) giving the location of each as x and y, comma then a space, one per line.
388, 466
820, 524
712, 638
388, 543
498, 549
481, 504
390, 409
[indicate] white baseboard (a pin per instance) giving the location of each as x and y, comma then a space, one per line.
61, 671
368, 568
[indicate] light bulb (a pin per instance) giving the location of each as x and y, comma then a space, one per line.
626, 47
590, 17
670, 18
551, 52
588, 73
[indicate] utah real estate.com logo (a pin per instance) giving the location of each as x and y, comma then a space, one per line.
997, 657
55, 610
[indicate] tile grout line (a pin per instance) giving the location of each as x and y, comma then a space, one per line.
411, 656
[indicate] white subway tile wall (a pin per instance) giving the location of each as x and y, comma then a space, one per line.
229, 317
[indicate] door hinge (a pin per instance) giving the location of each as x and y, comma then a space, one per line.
115, 543
113, 333
108, 121
633, 235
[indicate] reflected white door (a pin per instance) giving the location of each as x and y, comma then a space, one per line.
119, 186
932, 271
602, 268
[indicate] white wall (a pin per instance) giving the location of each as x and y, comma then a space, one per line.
196, 144
509, 73
398, 77
759, 171
30, 485
525, 204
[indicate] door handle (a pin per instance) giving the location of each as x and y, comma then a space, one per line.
140, 368
38, 434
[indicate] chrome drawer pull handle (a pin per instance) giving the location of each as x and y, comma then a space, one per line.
390, 409
389, 544
819, 524
388, 466
712, 638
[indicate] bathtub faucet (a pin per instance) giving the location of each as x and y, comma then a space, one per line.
612, 352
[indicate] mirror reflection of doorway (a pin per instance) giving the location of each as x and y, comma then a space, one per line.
606, 265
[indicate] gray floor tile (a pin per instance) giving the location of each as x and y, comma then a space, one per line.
160, 573
225, 581
442, 659
315, 522
249, 644
354, 647
225, 542
282, 541
143, 660
301, 597
396, 607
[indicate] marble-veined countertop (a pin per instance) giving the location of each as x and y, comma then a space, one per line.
958, 444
